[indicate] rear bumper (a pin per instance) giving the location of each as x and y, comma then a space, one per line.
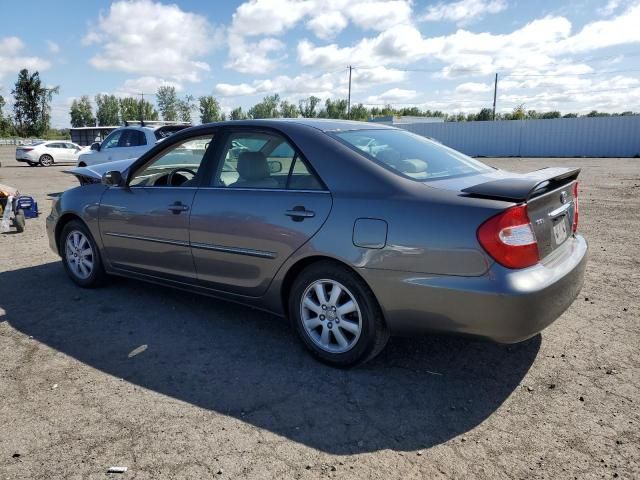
504, 305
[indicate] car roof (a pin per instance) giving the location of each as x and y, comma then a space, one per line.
323, 124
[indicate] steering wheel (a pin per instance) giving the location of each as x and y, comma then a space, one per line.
176, 170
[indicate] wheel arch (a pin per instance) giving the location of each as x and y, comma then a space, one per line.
295, 270
53, 160
64, 220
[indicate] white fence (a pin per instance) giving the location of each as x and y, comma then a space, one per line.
561, 137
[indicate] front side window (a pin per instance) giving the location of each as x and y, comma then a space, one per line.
112, 140
177, 166
263, 160
411, 155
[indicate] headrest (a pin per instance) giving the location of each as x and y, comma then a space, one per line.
253, 166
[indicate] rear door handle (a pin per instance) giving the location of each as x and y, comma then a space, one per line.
299, 213
178, 207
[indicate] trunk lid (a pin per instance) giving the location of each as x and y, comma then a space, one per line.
549, 194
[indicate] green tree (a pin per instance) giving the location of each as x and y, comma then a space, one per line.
288, 110
168, 103
335, 108
307, 107
570, 115
518, 113
27, 107
133, 109
237, 114
359, 112
5, 122
267, 108
185, 107
209, 109
485, 115
82, 113
552, 114
107, 110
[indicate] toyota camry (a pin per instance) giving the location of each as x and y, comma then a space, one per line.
354, 231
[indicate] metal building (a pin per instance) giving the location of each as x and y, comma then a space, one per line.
560, 137
87, 135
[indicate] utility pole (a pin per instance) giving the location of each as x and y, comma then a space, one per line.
349, 97
142, 109
495, 91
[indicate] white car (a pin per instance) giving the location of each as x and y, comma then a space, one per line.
48, 153
126, 142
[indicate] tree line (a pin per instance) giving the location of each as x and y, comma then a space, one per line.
32, 109
170, 107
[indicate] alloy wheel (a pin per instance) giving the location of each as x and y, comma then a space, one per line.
79, 254
331, 316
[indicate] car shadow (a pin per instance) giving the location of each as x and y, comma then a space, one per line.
418, 393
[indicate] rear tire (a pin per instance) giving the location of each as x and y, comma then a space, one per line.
80, 255
46, 160
343, 327
19, 221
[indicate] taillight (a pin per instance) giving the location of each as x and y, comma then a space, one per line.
509, 238
26, 149
575, 209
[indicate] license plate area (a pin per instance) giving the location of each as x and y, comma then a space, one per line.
560, 229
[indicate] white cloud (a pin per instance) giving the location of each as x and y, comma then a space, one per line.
463, 12
146, 85
473, 87
379, 15
325, 18
253, 57
153, 39
609, 8
395, 95
12, 58
53, 47
619, 30
327, 25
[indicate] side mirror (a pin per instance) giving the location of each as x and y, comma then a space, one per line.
112, 179
95, 146
275, 166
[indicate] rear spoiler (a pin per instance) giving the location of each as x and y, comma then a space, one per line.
523, 187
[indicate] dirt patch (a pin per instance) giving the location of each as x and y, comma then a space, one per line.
174, 385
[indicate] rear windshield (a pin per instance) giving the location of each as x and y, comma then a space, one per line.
411, 155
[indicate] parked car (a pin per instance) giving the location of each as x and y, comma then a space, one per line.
352, 243
47, 153
127, 142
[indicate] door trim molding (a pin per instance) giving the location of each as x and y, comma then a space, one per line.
148, 239
234, 250
202, 246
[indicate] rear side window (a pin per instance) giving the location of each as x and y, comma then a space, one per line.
263, 160
132, 138
411, 155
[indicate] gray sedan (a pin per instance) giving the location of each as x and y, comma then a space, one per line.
354, 231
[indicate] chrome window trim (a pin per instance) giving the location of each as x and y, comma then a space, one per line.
243, 189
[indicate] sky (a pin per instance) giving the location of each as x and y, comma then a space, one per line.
572, 56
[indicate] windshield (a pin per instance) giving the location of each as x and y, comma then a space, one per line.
411, 155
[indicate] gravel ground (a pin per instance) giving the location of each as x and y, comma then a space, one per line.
173, 385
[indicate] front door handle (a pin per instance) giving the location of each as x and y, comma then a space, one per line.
178, 207
299, 213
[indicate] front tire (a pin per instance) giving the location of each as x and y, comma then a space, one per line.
46, 160
80, 255
336, 315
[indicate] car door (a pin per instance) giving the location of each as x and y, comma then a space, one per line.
144, 225
263, 203
132, 144
108, 148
